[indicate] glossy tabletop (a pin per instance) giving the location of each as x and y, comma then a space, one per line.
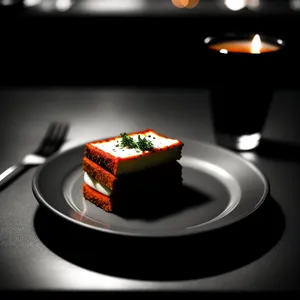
35, 250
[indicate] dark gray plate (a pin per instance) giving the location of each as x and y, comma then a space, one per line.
219, 188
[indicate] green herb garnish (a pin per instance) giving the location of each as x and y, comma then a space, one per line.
127, 141
142, 143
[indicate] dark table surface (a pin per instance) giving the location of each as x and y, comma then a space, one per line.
31, 260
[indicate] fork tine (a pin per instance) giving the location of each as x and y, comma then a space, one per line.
47, 149
57, 139
47, 137
53, 139
61, 136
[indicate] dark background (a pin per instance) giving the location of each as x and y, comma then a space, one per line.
157, 45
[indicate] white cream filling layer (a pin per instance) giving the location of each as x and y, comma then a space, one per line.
94, 184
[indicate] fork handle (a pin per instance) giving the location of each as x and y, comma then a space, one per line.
12, 173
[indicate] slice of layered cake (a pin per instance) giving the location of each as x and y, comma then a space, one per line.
130, 166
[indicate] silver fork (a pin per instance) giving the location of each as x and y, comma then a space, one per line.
53, 139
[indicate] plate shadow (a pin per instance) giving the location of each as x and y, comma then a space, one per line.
163, 203
164, 259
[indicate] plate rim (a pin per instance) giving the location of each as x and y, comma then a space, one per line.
176, 233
